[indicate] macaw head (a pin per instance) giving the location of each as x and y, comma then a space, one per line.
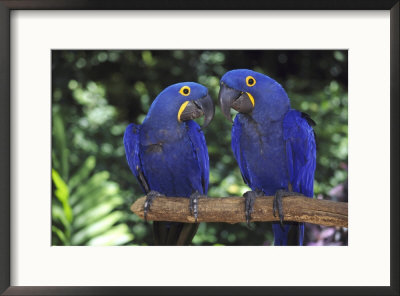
252, 93
181, 102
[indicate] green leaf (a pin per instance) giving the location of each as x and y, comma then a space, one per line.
83, 173
97, 212
55, 162
60, 144
62, 193
58, 215
94, 183
98, 195
96, 229
60, 235
118, 235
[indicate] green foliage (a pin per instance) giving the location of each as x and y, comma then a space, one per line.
84, 207
97, 93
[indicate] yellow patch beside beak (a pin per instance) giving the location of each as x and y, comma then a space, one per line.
251, 98
183, 106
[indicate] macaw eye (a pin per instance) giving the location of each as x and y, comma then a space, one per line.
250, 81
185, 91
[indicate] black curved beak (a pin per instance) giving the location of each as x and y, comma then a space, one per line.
196, 108
232, 98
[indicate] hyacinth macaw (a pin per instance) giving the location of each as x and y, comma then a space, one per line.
168, 154
274, 145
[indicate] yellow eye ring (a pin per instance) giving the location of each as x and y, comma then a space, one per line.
185, 91
250, 81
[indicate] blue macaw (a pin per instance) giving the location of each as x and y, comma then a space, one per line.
274, 145
168, 154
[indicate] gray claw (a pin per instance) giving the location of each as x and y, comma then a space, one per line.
194, 204
151, 195
277, 204
250, 198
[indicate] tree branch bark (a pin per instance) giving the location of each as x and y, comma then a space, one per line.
231, 210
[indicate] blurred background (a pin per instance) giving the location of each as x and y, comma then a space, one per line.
95, 94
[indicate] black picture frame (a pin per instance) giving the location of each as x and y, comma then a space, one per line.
7, 6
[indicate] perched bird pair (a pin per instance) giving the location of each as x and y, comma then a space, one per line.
273, 144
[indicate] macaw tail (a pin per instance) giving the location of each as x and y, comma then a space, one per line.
173, 233
291, 234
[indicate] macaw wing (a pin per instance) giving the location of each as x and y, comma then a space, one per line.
200, 151
235, 143
131, 143
300, 151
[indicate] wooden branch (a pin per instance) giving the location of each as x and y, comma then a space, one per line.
231, 210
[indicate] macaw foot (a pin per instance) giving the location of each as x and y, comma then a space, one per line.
151, 195
194, 204
277, 205
249, 199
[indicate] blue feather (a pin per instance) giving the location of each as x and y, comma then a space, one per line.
301, 152
131, 143
169, 156
236, 133
200, 152
274, 145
